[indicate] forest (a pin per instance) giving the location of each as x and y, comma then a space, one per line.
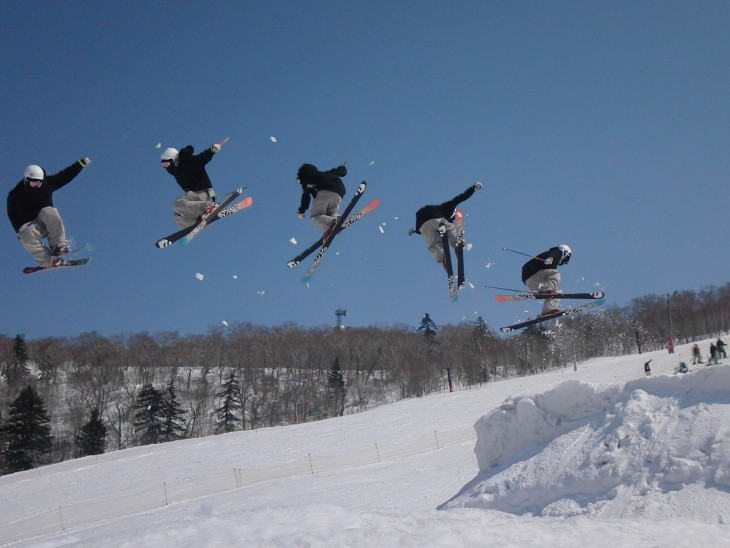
62, 398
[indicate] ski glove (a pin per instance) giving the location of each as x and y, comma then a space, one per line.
549, 261
300, 214
215, 148
85, 161
477, 185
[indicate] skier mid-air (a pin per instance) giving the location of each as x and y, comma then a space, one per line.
430, 217
33, 216
189, 172
327, 189
541, 275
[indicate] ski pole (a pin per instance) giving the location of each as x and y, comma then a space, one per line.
507, 289
521, 253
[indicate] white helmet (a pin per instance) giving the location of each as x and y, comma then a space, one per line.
566, 253
33, 172
169, 155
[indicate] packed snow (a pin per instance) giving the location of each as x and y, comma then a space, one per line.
596, 454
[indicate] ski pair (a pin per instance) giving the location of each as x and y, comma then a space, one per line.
318, 244
539, 319
454, 283
533, 296
326, 240
66, 263
221, 210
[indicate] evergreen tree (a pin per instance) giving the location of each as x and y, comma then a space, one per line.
428, 327
231, 396
91, 440
336, 390
26, 432
148, 417
15, 370
174, 425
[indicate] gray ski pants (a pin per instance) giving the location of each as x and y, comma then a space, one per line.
430, 232
47, 224
324, 208
190, 206
545, 280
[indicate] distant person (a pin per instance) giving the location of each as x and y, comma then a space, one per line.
33, 216
429, 217
721, 349
541, 275
683, 368
189, 172
327, 190
647, 368
713, 355
696, 354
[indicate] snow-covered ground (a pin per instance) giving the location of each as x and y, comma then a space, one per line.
594, 455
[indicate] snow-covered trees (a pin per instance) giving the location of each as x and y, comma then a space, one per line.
230, 397
91, 439
26, 434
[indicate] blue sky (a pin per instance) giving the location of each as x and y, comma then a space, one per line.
603, 125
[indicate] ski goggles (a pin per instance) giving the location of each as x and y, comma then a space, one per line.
35, 183
166, 163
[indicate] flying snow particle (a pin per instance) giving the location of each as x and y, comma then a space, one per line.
224, 322
199, 276
381, 229
262, 292
158, 145
235, 277
372, 163
396, 218
293, 241
471, 285
467, 247
273, 139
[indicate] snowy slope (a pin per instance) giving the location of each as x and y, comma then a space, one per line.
597, 456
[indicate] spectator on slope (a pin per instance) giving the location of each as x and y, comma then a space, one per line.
696, 354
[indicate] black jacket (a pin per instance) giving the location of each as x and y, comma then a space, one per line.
190, 171
545, 260
24, 202
447, 210
313, 180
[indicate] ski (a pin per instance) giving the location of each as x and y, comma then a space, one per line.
566, 312
225, 212
461, 282
533, 296
327, 241
67, 263
349, 221
447, 262
197, 227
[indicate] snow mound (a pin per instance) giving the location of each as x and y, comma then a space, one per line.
650, 449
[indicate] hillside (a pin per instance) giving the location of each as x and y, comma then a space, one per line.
596, 454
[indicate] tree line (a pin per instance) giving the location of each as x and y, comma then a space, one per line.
68, 397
